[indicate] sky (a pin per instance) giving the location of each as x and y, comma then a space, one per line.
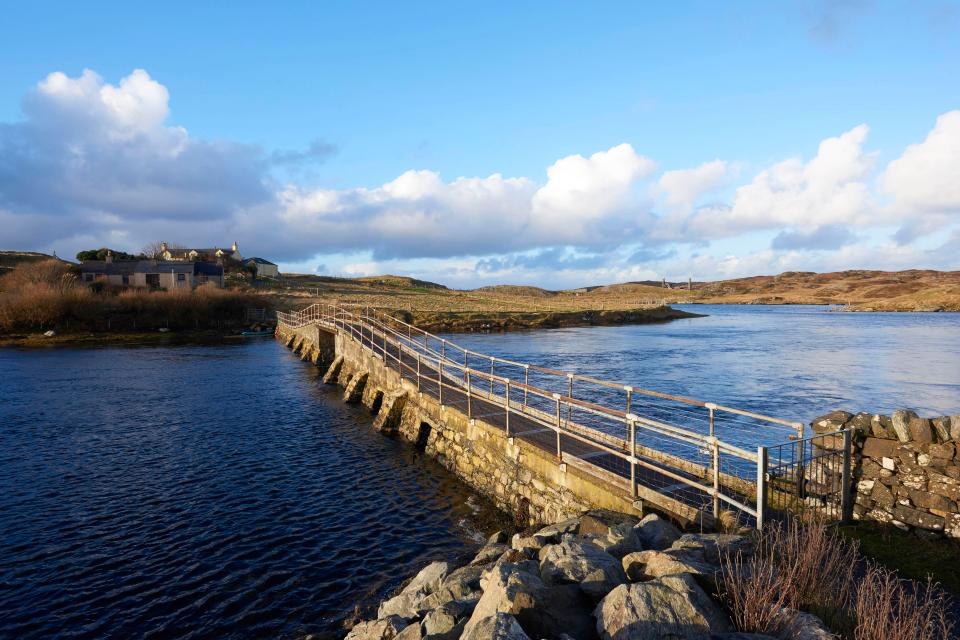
554, 144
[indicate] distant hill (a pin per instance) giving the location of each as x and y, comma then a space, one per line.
517, 290
401, 282
12, 259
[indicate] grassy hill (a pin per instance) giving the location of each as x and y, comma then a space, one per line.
12, 259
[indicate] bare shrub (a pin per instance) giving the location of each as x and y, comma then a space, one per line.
808, 567
887, 607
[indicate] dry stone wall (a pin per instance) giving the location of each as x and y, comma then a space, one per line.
906, 469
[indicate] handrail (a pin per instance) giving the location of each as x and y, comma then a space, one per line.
378, 331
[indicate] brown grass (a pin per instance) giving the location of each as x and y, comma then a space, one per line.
47, 295
809, 567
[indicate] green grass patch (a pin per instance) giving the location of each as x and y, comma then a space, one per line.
910, 556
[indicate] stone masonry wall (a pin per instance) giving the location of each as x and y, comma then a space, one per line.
517, 476
906, 469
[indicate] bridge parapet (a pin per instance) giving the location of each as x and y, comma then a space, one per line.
691, 458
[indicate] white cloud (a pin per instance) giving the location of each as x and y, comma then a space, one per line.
926, 178
682, 187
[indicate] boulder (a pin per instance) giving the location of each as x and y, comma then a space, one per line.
670, 607
576, 561
489, 553
529, 545
619, 540
739, 635
830, 422
861, 423
49, 333
447, 621
408, 603
460, 584
385, 628
513, 588
644, 565
901, 423
498, 537
656, 533
551, 534
601, 521
796, 625
714, 545
411, 632
955, 428
499, 626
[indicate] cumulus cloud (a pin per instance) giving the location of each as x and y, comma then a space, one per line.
93, 163
682, 187
96, 157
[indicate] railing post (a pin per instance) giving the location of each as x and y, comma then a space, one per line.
846, 492
506, 405
466, 366
418, 371
712, 408
556, 397
466, 374
526, 383
716, 477
440, 380
629, 391
569, 395
762, 460
632, 419
491, 375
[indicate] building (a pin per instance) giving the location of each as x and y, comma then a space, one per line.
264, 268
155, 274
213, 254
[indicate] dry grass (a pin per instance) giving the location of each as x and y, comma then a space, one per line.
47, 295
809, 567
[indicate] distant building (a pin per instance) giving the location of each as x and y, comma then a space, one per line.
265, 268
213, 254
154, 274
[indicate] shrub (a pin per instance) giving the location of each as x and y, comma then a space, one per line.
808, 566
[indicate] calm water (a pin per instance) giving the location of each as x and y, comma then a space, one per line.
203, 491
221, 491
794, 362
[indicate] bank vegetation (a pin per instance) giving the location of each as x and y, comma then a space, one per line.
48, 295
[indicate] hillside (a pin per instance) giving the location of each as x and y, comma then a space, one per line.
12, 259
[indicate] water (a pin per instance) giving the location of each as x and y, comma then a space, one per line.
792, 362
204, 492
221, 491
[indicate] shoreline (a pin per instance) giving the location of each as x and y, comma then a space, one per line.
132, 339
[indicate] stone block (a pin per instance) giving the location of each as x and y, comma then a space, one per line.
941, 426
889, 464
927, 500
830, 422
921, 430
882, 427
946, 451
882, 496
955, 428
901, 423
865, 486
918, 518
949, 490
878, 448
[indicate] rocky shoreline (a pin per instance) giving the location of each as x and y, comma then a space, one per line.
455, 322
603, 575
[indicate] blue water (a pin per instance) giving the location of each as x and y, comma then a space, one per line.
792, 362
223, 492
204, 492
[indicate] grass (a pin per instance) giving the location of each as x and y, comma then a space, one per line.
810, 567
911, 556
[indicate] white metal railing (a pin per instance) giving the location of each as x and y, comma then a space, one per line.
674, 439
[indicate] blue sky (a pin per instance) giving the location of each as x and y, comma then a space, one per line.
397, 101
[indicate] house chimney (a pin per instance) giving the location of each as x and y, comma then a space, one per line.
163, 247
109, 257
234, 248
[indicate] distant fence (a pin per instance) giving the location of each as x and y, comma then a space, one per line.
700, 454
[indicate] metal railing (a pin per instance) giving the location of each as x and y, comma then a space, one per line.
701, 454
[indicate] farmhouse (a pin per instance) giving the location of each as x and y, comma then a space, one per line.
264, 268
213, 254
155, 274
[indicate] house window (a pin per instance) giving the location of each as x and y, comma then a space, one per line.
153, 280
88, 277
126, 279
181, 277
204, 279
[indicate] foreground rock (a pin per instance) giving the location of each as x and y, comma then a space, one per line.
603, 575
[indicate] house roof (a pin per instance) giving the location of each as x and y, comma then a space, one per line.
122, 267
260, 261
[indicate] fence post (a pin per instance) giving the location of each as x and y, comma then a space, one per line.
716, 473
762, 459
466, 374
418, 371
556, 397
491, 375
712, 408
440, 380
629, 391
569, 395
633, 453
506, 404
846, 494
466, 366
